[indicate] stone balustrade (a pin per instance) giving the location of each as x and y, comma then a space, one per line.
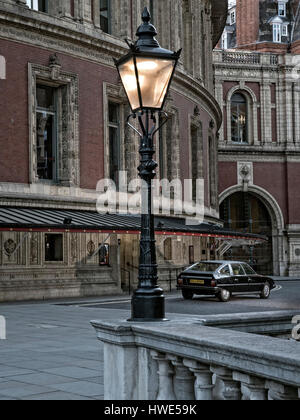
245, 57
184, 360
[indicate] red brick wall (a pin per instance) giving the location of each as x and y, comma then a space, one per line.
247, 22
14, 133
14, 136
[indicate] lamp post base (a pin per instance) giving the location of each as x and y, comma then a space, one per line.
148, 306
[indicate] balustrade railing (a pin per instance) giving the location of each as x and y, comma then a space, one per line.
183, 360
244, 57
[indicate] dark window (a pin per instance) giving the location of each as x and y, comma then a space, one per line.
39, 5
239, 121
248, 270
237, 270
46, 123
54, 248
225, 271
191, 254
114, 142
197, 158
105, 16
104, 255
168, 249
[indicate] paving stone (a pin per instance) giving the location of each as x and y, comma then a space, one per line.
82, 388
42, 379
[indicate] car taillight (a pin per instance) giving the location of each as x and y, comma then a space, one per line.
180, 281
213, 283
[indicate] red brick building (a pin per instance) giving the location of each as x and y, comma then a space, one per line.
62, 129
258, 88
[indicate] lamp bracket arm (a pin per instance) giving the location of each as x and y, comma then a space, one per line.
131, 126
162, 124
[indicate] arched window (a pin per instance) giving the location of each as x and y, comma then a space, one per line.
239, 119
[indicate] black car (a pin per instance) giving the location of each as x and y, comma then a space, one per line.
223, 279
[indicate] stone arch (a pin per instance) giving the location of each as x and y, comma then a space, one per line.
2, 67
252, 105
278, 223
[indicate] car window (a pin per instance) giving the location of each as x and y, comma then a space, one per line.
225, 271
206, 267
248, 269
238, 270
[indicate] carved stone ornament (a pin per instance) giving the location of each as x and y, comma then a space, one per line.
10, 247
91, 248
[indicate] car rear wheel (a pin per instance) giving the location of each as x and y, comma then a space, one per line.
187, 294
224, 296
265, 294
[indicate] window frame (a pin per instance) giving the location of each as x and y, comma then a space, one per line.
281, 7
34, 5
60, 261
53, 113
107, 30
238, 118
114, 126
67, 85
277, 33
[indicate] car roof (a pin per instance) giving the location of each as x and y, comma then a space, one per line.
223, 262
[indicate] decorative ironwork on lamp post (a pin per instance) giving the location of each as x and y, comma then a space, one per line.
146, 73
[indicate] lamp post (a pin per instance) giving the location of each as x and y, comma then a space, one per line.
146, 73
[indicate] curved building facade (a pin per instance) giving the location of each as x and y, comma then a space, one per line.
63, 128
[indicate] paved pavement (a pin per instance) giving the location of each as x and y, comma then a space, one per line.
51, 351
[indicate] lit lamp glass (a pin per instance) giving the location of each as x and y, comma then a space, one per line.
146, 81
147, 71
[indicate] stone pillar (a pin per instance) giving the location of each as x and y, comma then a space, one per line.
266, 115
203, 384
120, 362
96, 13
84, 11
219, 93
296, 107
253, 389
280, 392
165, 374
231, 389
184, 380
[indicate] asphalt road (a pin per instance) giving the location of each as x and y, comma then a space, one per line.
286, 298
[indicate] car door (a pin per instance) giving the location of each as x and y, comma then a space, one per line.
255, 283
241, 283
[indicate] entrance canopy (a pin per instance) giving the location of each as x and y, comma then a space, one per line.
19, 219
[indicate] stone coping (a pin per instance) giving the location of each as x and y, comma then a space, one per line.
265, 357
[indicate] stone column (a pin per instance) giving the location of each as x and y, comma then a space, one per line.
266, 115
231, 389
220, 98
84, 11
165, 374
297, 112
203, 384
253, 389
184, 380
280, 392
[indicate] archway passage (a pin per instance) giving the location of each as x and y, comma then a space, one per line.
244, 212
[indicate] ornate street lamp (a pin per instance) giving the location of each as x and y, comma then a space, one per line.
146, 73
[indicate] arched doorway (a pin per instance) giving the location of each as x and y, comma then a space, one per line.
245, 212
